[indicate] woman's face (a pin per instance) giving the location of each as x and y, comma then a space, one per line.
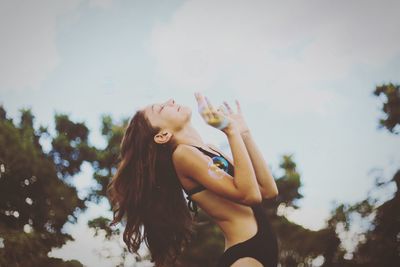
168, 115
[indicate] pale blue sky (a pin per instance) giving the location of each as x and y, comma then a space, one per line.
304, 72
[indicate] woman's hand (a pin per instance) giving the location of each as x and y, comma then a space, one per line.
212, 116
237, 117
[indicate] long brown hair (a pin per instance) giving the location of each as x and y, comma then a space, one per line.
146, 194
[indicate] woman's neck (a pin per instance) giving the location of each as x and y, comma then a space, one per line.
189, 136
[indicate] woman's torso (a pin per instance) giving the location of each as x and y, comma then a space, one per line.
236, 221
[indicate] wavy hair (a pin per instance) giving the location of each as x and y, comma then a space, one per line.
146, 195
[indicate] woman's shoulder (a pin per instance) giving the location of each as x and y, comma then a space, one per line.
181, 149
221, 152
183, 153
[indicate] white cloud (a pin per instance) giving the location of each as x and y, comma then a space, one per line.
28, 50
281, 50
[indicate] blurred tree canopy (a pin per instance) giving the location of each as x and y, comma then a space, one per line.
36, 200
380, 244
391, 106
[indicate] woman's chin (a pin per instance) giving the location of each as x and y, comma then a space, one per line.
185, 109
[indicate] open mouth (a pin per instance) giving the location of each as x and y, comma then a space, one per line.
179, 108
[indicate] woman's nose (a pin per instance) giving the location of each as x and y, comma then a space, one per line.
169, 102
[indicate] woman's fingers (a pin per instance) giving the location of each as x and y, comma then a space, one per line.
230, 111
211, 107
203, 106
238, 106
200, 100
223, 109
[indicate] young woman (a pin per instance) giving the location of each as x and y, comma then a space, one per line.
161, 154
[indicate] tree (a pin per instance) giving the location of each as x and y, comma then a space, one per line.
391, 107
297, 245
35, 199
379, 245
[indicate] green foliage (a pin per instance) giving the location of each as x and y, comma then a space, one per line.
70, 147
106, 159
297, 244
52, 262
103, 224
380, 244
207, 244
288, 185
391, 107
300, 245
34, 202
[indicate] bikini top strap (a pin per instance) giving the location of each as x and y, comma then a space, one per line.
195, 190
207, 152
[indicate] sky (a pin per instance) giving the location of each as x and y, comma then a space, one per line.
303, 71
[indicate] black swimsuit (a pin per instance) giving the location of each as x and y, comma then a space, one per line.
263, 246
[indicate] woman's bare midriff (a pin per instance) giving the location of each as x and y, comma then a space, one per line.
236, 221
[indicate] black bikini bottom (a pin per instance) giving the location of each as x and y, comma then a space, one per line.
263, 246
